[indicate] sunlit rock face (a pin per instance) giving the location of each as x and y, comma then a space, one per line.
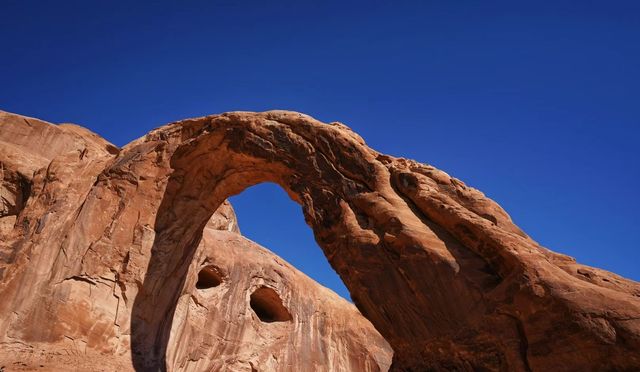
117, 258
240, 306
245, 309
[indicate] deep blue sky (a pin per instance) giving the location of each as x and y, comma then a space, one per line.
535, 103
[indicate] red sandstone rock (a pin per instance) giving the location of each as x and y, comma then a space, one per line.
105, 253
244, 309
82, 321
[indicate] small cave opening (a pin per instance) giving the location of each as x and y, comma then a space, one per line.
208, 277
267, 305
15, 189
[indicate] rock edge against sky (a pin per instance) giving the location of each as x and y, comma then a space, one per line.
103, 251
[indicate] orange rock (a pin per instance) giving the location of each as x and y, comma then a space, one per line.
105, 250
243, 308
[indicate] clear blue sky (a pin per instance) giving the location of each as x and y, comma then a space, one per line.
535, 103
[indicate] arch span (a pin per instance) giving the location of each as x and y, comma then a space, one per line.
439, 269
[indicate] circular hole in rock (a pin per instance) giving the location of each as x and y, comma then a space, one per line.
208, 277
268, 306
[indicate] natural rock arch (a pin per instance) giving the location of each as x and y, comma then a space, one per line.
234, 151
439, 269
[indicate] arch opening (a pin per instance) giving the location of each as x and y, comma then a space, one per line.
268, 216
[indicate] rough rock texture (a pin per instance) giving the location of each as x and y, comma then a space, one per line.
246, 309
439, 269
75, 314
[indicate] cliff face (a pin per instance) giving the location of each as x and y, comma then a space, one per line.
107, 252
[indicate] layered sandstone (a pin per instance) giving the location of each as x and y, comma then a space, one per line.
439, 269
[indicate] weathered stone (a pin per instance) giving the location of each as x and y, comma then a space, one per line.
244, 309
439, 269
70, 308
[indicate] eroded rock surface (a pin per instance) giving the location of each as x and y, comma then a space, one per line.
439, 269
75, 314
244, 309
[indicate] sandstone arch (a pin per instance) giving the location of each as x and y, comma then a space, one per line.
438, 268
463, 286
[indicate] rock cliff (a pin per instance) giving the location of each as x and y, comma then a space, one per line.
119, 253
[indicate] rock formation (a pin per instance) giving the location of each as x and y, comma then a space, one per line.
290, 323
439, 269
76, 314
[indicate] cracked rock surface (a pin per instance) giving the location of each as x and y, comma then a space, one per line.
120, 254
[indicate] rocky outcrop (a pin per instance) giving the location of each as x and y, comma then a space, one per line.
72, 312
439, 269
244, 309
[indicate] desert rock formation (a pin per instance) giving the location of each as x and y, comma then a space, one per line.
291, 322
439, 269
63, 317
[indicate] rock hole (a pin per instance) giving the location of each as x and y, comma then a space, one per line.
208, 277
268, 306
